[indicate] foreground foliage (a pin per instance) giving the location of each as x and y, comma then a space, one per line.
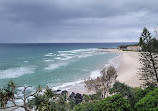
113, 103
39, 100
125, 90
9, 95
125, 98
149, 102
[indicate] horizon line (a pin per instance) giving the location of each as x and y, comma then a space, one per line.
60, 42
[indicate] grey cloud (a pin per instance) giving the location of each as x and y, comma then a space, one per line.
68, 20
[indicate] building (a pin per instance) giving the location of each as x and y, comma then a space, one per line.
134, 48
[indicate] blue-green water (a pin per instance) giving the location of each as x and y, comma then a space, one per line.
52, 64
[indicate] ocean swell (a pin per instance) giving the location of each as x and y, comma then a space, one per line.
55, 66
16, 72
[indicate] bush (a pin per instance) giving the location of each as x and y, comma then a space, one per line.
113, 103
140, 93
124, 90
149, 102
91, 97
84, 107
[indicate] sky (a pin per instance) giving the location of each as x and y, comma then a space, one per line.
74, 21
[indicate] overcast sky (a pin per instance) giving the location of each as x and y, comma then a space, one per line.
76, 20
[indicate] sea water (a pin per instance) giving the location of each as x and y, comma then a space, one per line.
55, 65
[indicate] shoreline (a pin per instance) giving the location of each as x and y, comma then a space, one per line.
127, 70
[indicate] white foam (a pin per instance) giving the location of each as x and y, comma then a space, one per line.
66, 51
63, 57
95, 74
67, 84
49, 54
15, 72
85, 50
59, 58
65, 54
55, 66
48, 60
78, 50
80, 53
114, 61
82, 56
26, 61
66, 58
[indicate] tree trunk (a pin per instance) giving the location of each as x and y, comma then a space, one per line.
26, 109
155, 71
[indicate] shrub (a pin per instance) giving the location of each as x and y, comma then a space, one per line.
124, 90
113, 103
140, 93
149, 102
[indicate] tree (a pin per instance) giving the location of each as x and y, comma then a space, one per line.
104, 82
92, 97
46, 100
9, 95
124, 90
149, 102
113, 103
148, 59
49, 101
40, 102
140, 93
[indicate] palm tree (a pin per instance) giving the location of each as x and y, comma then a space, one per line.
44, 101
7, 94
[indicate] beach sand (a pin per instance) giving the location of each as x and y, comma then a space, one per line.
127, 70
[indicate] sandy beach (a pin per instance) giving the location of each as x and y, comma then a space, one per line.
127, 70
128, 67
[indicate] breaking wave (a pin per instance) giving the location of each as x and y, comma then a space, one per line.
55, 66
15, 72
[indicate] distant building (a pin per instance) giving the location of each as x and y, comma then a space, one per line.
134, 48
130, 47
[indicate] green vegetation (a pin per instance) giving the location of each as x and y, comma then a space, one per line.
147, 42
113, 103
39, 100
125, 90
140, 93
149, 102
148, 59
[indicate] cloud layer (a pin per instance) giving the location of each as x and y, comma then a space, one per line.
75, 20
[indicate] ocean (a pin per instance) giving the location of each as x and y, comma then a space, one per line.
56, 65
